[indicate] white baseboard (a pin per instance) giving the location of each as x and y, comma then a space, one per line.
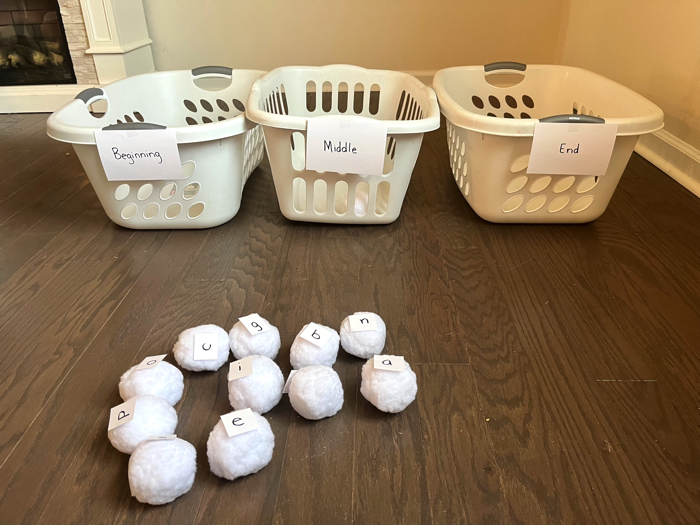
676, 158
424, 75
37, 99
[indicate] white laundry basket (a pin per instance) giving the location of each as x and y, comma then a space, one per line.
219, 148
489, 156
286, 98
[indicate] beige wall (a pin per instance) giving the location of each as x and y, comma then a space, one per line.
409, 35
651, 46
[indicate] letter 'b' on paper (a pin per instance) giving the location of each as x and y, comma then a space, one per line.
315, 334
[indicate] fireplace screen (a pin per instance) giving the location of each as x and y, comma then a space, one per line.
33, 48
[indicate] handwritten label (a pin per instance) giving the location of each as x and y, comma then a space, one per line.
363, 323
394, 363
122, 414
241, 368
139, 154
346, 146
162, 438
316, 334
151, 362
206, 347
255, 324
285, 390
239, 422
572, 149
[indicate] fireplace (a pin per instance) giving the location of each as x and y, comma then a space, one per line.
33, 46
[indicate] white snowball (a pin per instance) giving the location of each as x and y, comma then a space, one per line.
244, 344
316, 392
387, 390
304, 353
363, 344
153, 416
184, 348
160, 471
261, 390
163, 380
233, 457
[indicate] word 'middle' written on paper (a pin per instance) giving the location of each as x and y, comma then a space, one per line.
150, 154
571, 149
346, 146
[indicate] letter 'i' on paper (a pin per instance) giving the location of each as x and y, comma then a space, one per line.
315, 334
241, 368
393, 363
151, 362
255, 324
363, 323
122, 414
239, 422
206, 347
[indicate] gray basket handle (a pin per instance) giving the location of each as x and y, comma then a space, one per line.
212, 70
573, 119
86, 95
513, 66
132, 126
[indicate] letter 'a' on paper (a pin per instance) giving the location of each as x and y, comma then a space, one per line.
363, 323
239, 422
206, 347
122, 414
255, 324
393, 363
241, 368
151, 362
315, 334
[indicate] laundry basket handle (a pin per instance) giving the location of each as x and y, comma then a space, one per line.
495, 66
212, 70
573, 119
132, 126
89, 94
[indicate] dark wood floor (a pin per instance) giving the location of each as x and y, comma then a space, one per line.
558, 366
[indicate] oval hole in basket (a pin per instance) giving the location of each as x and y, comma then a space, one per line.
144, 192
195, 210
299, 195
343, 97
190, 191
190, 105
358, 98
238, 104
167, 191
340, 197
478, 103
138, 116
504, 80
188, 168
527, 100
383, 191
173, 210
320, 196
151, 211
311, 96
129, 211
327, 96
298, 151
520, 164
122, 192
222, 105
374, 99
361, 198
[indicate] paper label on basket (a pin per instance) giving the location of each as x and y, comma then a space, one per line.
571, 149
139, 154
285, 390
122, 414
255, 324
315, 334
346, 146
363, 323
241, 368
239, 422
151, 362
206, 347
394, 363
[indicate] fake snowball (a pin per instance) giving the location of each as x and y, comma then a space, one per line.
243, 344
388, 390
303, 353
163, 380
316, 392
247, 453
160, 471
184, 348
363, 344
153, 416
259, 391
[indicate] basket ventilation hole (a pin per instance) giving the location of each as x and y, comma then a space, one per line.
540, 184
582, 204
144, 192
327, 97
574, 109
343, 98
389, 157
508, 115
138, 116
129, 211
190, 191
299, 195
520, 164
206, 105
191, 121
463, 149
478, 103
190, 105
564, 184
587, 184
188, 168
490, 115
222, 118
340, 197
494, 102
119, 121
122, 192
320, 196
511, 102
359, 97
151, 211
466, 189
238, 104
583, 110
311, 96
383, 191
128, 118
524, 115
206, 120
222, 105
512, 204
374, 98
195, 210
527, 100
399, 109
517, 184
535, 204
298, 151
558, 204
173, 210
167, 191
361, 199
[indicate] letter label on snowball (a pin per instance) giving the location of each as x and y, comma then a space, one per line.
241, 368
316, 334
255, 324
151, 362
122, 414
206, 347
239, 422
285, 390
162, 438
363, 323
393, 363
